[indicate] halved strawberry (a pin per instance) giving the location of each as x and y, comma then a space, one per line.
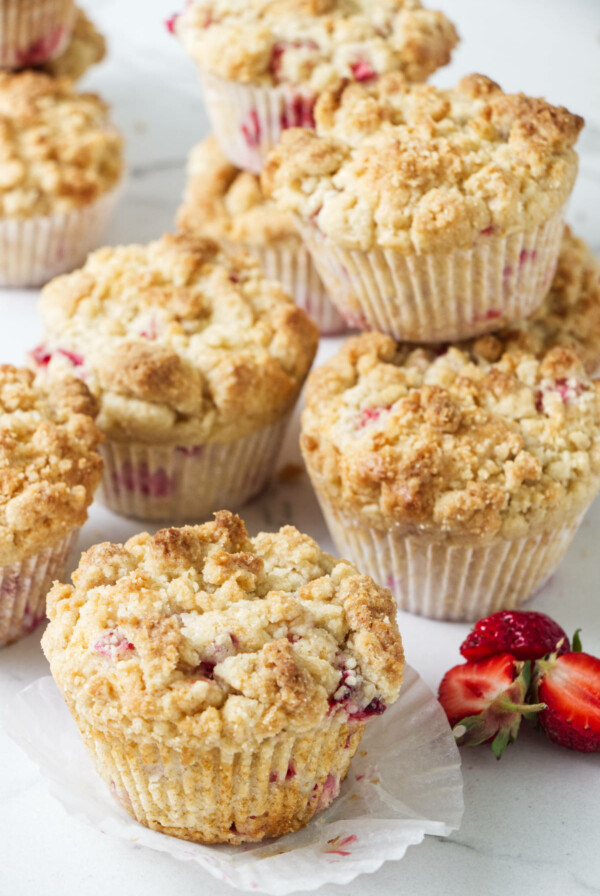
569, 685
485, 700
524, 633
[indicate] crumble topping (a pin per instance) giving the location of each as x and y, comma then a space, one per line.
205, 632
418, 168
182, 342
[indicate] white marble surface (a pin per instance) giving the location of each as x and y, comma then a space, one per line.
531, 821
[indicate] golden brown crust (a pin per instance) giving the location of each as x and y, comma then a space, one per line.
202, 632
181, 342
86, 47
49, 465
450, 445
417, 168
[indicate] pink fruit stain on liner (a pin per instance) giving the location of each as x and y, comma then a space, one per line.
338, 844
251, 129
190, 450
134, 478
488, 231
42, 49
328, 793
300, 113
491, 314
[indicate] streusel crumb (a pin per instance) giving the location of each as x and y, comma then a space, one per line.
418, 168
451, 444
203, 632
315, 43
49, 465
182, 342
85, 48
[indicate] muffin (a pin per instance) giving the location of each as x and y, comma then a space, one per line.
228, 205
456, 482
34, 31
222, 683
86, 47
196, 361
432, 215
49, 469
62, 163
262, 64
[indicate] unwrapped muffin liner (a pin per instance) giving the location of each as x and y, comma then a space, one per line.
34, 250
34, 31
24, 586
187, 482
441, 580
403, 783
440, 297
248, 119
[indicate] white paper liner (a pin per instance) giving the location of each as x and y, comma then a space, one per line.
248, 120
34, 31
405, 782
440, 297
34, 250
187, 483
453, 582
24, 586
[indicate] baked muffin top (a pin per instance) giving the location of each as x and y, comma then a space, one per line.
444, 443
49, 465
569, 315
58, 149
315, 43
204, 632
85, 48
181, 342
223, 202
418, 168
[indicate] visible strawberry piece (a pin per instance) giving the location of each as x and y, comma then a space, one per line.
485, 701
41, 355
170, 23
282, 47
362, 70
525, 634
567, 389
75, 359
113, 644
370, 415
569, 685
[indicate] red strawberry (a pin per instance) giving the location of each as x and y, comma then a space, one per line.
526, 634
484, 700
570, 687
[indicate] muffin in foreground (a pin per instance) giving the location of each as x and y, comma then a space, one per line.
222, 683
34, 31
196, 361
227, 204
432, 215
456, 482
262, 64
62, 165
49, 469
85, 48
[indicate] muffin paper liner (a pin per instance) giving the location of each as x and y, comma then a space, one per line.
34, 250
24, 586
248, 120
181, 483
440, 297
34, 31
451, 581
404, 782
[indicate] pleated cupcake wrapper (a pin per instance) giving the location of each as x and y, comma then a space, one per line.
248, 120
451, 581
293, 267
214, 795
24, 586
440, 297
34, 250
188, 483
34, 31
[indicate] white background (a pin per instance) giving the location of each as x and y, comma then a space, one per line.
531, 821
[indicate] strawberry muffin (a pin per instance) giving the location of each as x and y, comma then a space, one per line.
263, 64
222, 683
196, 361
228, 205
431, 214
457, 482
60, 170
86, 47
49, 469
34, 31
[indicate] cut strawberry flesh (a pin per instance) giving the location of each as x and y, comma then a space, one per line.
570, 687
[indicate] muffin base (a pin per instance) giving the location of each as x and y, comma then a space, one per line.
213, 795
34, 31
187, 483
452, 581
248, 120
24, 586
440, 297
